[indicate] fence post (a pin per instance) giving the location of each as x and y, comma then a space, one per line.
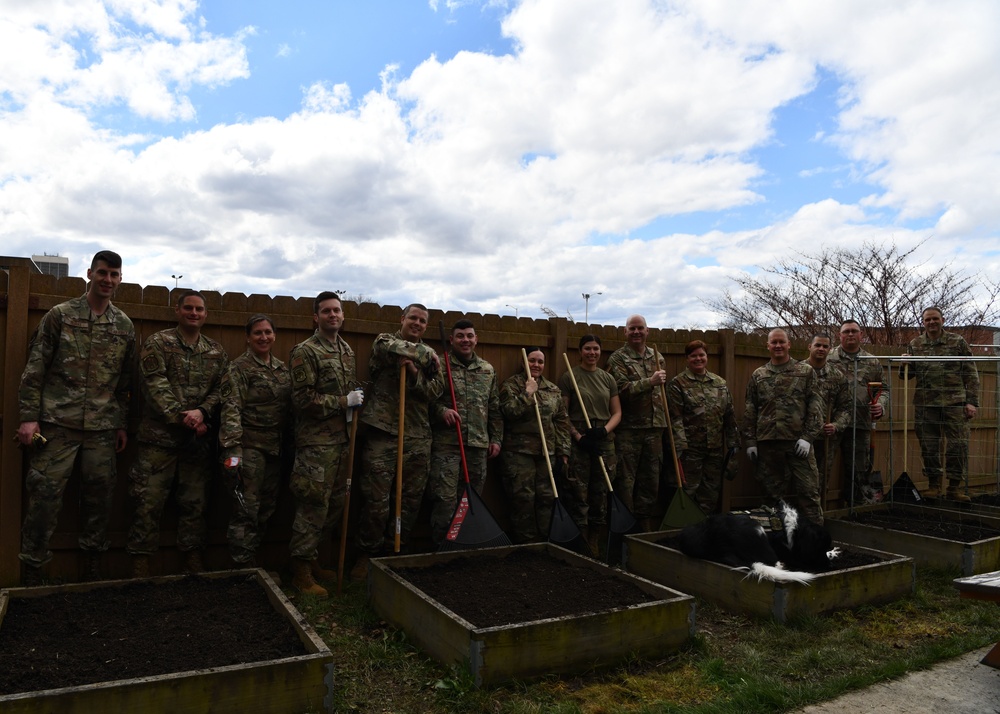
18, 288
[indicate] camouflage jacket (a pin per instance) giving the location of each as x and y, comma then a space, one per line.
834, 387
943, 384
701, 411
782, 403
256, 403
79, 368
478, 398
521, 423
642, 406
322, 375
178, 377
859, 372
382, 399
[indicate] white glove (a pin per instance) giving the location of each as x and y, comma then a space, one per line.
355, 398
752, 452
802, 448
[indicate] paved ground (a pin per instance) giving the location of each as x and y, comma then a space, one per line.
958, 686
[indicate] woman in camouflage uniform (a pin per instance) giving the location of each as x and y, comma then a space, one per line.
525, 473
256, 403
704, 424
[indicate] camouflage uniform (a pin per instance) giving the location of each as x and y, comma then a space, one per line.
834, 388
782, 406
256, 401
855, 445
584, 487
382, 414
639, 437
478, 401
526, 477
177, 377
323, 373
76, 385
704, 424
943, 389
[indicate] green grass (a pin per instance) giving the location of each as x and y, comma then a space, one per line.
734, 664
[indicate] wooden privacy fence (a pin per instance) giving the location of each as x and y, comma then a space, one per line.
25, 297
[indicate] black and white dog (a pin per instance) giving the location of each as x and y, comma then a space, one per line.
787, 549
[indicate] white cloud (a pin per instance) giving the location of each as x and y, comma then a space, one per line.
484, 180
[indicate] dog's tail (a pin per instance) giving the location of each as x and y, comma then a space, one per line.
777, 574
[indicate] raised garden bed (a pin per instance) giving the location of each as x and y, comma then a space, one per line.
524, 611
220, 642
935, 537
869, 576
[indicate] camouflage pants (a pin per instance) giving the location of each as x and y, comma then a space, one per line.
261, 478
446, 483
785, 475
583, 488
947, 428
640, 455
50, 470
529, 494
703, 476
319, 484
378, 487
155, 471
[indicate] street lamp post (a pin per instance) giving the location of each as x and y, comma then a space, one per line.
176, 280
514, 308
586, 307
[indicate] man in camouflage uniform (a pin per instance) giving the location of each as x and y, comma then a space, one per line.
74, 393
704, 424
860, 369
833, 388
391, 353
324, 378
182, 372
946, 399
478, 399
639, 438
783, 416
256, 407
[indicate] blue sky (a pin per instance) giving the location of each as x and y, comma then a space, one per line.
519, 152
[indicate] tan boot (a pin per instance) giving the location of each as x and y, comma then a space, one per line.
322, 574
953, 494
359, 573
302, 580
933, 490
193, 562
140, 566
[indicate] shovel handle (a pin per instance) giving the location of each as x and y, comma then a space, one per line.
399, 459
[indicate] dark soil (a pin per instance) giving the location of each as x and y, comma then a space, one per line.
521, 587
139, 629
849, 557
967, 530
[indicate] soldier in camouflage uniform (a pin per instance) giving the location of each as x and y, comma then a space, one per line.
860, 369
833, 388
390, 353
946, 399
324, 381
182, 374
639, 438
74, 392
256, 406
783, 416
704, 424
584, 487
525, 474
478, 399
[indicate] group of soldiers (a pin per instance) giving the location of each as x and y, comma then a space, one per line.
430, 423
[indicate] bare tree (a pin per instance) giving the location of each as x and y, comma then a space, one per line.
877, 285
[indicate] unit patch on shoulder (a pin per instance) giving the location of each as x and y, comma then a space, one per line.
150, 363
227, 388
299, 374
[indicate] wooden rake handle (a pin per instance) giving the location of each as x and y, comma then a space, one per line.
399, 458
541, 427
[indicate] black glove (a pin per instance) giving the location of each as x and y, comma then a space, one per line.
557, 467
589, 444
597, 433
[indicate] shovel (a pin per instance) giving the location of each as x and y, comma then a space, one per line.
347, 500
562, 530
620, 520
472, 526
683, 511
399, 458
